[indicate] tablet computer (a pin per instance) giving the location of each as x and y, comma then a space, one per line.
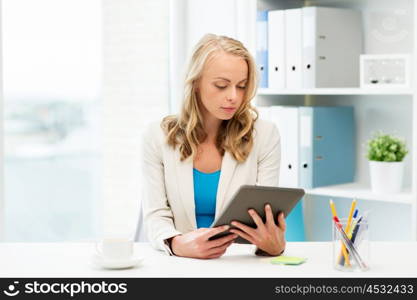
256, 197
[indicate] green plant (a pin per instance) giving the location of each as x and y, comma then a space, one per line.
385, 147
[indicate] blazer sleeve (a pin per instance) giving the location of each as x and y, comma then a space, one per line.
269, 156
158, 216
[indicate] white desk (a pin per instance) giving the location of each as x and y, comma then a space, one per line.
388, 259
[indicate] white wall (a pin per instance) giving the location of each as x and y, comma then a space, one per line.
135, 91
191, 19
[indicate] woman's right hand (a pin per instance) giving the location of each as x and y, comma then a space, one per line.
196, 244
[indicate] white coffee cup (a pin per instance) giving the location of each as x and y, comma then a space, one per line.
115, 248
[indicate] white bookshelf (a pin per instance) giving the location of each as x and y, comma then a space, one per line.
392, 110
338, 91
362, 191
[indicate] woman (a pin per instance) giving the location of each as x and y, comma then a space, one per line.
195, 162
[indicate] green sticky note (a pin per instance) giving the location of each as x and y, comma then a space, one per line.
288, 260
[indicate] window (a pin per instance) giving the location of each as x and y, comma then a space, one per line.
81, 80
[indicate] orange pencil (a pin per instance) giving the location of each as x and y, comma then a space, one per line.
344, 251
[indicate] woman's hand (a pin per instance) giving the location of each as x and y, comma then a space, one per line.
196, 243
267, 236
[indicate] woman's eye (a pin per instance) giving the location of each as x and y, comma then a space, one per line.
220, 87
242, 87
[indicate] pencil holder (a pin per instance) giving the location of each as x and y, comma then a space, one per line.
351, 245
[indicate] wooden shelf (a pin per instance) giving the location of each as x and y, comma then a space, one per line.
361, 192
338, 91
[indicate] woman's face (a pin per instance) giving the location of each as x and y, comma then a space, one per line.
222, 85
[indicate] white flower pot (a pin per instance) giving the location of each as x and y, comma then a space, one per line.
386, 177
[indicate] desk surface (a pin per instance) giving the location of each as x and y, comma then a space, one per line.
388, 259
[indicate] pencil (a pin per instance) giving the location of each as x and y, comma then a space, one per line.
333, 208
344, 251
348, 225
349, 221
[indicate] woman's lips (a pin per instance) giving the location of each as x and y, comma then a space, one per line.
229, 109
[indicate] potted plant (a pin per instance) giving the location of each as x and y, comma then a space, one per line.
386, 154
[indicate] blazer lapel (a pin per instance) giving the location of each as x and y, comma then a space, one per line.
185, 183
226, 175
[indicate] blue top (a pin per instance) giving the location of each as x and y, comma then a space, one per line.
205, 192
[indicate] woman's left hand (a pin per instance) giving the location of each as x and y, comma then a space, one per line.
268, 236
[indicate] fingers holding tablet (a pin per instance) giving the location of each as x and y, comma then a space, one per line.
281, 221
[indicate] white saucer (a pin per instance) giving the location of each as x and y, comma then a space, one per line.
116, 263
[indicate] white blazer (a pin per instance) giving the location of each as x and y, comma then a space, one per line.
168, 204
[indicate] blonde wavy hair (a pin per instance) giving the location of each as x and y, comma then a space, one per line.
186, 129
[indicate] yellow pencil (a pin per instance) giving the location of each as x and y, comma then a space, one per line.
348, 226
349, 221
333, 208
344, 251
